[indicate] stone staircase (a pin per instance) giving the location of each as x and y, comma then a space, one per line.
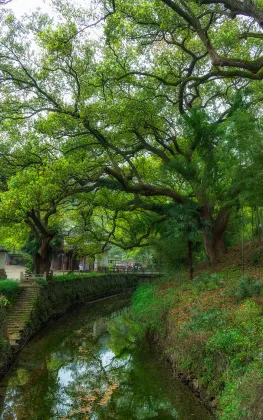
19, 313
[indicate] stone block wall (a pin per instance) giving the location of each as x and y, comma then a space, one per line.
4, 345
2, 321
58, 296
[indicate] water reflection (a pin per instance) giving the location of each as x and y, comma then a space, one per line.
68, 372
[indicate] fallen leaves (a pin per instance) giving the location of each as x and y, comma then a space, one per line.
90, 399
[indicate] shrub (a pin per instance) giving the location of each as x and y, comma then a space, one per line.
10, 289
247, 288
29, 266
149, 308
212, 319
208, 281
41, 281
257, 256
3, 301
77, 276
243, 398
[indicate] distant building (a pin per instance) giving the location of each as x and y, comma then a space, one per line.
16, 259
65, 261
3, 259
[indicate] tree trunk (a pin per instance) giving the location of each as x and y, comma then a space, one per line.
73, 262
43, 258
214, 234
215, 246
190, 259
42, 265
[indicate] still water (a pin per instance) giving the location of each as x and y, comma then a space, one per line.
68, 372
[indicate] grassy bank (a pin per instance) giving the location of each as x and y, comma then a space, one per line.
213, 328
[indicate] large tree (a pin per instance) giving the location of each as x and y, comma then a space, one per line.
35, 204
154, 88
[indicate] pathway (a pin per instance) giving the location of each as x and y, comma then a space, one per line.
19, 313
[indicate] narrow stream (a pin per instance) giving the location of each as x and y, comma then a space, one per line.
68, 372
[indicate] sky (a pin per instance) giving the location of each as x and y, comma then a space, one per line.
21, 7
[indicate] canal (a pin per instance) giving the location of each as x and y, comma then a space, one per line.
69, 372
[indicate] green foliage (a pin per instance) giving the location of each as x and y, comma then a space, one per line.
170, 142
208, 281
220, 342
4, 301
147, 313
246, 288
173, 237
149, 309
41, 281
244, 398
257, 256
212, 319
10, 289
29, 264
74, 276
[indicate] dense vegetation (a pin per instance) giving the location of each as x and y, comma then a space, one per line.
146, 130
212, 328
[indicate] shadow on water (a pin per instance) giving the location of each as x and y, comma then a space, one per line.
68, 372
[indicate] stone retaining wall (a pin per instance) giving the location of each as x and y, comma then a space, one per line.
2, 321
58, 297
188, 378
4, 346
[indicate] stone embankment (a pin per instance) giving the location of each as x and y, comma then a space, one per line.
37, 304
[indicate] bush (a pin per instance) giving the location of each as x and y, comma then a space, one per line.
212, 319
247, 288
237, 394
10, 289
149, 309
257, 256
208, 281
76, 276
29, 266
41, 281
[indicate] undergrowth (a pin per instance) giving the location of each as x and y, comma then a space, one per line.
213, 326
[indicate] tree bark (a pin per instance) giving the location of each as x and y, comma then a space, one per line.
43, 258
42, 265
215, 246
214, 233
190, 259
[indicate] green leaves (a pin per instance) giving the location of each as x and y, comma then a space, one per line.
58, 40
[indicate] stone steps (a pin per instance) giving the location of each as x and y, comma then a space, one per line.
19, 312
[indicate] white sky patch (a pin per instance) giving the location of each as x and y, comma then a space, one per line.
21, 7
26, 7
